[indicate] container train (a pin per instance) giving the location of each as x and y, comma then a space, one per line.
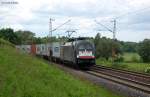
78, 52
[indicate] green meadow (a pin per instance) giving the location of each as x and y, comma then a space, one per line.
131, 62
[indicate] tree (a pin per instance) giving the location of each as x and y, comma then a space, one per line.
144, 50
97, 38
129, 46
8, 34
25, 37
104, 47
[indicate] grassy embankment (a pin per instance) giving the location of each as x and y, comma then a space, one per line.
22, 75
131, 62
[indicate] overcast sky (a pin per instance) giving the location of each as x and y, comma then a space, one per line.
132, 16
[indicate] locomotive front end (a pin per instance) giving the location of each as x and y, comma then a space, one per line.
85, 54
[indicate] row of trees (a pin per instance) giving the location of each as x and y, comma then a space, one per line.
104, 46
25, 37
8, 34
17, 37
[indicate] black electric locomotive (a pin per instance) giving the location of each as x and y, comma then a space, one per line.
79, 52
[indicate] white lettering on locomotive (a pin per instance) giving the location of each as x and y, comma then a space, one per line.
84, 53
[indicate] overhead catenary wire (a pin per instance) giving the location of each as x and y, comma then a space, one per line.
132, 12
103, 26
120, 16
52, 30
61, 25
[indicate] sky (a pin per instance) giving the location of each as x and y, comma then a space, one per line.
132, 17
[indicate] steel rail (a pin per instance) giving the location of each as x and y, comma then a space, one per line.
121, 77
120, 81
124, 71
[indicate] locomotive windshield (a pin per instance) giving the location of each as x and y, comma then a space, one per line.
88, 47
85, 47
81, 47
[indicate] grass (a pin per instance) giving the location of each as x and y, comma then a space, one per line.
4, 42
131, 62
138, 67
22, 75
131, 57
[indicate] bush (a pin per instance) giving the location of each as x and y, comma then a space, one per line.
147, 70
102, 59
119, 58
119, 65
144, 50
134, 59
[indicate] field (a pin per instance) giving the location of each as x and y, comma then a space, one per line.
131, 57
22, 75
131, 62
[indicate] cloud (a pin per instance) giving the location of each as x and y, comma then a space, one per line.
34, 15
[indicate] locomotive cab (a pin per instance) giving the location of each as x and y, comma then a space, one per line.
85, 53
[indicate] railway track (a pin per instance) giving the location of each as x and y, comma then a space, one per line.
134, 80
